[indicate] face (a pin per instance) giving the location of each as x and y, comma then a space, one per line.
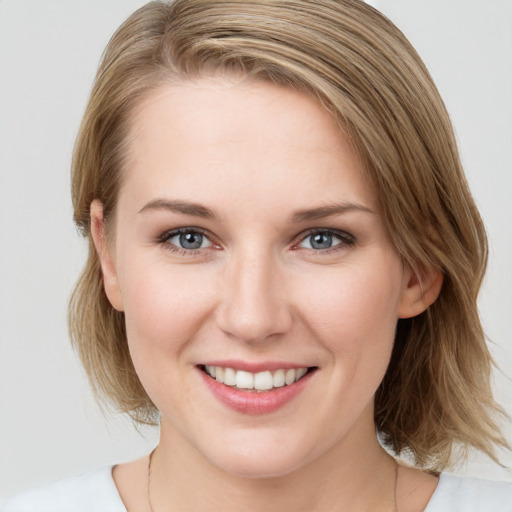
249, 251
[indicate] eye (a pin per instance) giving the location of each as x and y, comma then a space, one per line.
323, 240
187, 239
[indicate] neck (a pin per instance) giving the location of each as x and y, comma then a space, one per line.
355, 475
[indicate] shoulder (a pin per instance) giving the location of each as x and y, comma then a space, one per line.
470, 495
93, 492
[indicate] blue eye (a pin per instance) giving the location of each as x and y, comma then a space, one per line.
325, 240
188, 239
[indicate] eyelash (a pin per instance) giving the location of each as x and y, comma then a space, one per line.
165, 238
346, 240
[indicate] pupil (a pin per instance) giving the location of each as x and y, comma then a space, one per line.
321, 241
191, 240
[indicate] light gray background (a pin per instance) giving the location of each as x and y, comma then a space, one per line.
50, 426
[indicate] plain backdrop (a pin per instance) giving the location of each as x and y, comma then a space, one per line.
50, 426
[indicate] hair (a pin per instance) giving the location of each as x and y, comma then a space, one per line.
435, 401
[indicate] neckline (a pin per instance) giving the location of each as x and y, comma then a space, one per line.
442, 477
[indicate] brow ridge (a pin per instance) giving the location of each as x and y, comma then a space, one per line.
327, 211
183, 207
198, 210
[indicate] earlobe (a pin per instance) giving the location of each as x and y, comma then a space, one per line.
421, 289
107, 262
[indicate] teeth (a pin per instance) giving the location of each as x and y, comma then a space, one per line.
278, 379
261, 381
229, 377
244, 380
300, 373
290, 377
219, 374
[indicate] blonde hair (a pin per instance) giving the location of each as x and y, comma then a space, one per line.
435, 396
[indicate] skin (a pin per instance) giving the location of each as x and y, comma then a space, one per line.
254, 155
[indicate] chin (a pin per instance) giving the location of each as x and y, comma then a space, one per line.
257, 468
267, 459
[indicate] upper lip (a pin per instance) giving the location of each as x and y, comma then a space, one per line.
255, 367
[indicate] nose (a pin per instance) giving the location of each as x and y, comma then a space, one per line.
254, 306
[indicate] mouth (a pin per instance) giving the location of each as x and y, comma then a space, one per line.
263, 381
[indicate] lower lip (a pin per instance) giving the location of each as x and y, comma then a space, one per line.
248, 402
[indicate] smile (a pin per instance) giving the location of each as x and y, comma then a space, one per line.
261, 392
257, 382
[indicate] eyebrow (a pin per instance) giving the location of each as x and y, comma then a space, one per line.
183, 207
198, 210
326, 211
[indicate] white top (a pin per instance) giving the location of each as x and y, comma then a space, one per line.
97, 492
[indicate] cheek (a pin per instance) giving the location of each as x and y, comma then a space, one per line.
164, 310
353, 312
354, 300
164, 306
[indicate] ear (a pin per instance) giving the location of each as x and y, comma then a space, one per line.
421, 289
107, 261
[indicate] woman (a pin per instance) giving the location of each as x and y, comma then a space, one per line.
284, 261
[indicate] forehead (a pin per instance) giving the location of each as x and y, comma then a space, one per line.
217, 134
